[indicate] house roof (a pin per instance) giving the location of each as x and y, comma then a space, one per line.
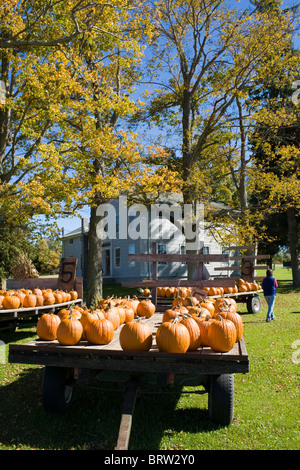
73, 234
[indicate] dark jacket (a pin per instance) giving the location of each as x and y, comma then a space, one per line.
269, 285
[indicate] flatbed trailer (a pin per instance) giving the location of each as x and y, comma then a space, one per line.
11, 318
69, 366
250, 298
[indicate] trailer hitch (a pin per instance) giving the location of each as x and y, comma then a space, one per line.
130, 393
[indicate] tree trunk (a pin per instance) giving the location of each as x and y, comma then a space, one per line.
94, 267
294, 245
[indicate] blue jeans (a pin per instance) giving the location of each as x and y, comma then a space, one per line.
270, 299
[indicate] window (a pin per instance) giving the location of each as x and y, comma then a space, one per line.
117, 257
182, 252
131, 251
71, 241
162, 250
206, 252
117, 224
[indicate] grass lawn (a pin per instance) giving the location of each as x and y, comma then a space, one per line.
266, 415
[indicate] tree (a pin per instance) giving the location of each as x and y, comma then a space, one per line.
276, 174
203, 56
69, 68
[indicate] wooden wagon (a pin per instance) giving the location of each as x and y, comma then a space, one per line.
69, 366
66, 281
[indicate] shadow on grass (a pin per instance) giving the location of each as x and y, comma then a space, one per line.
156, 418
93, 420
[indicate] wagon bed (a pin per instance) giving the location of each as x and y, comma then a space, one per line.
67, 366
111, 355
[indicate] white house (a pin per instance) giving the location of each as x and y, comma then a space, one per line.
132, 230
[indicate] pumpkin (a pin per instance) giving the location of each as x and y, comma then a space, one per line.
129, 313
221, 335
88, 317
133, 303
178, 301
243, 288
111, 313
58, 297
65, 313
147, 292
170, 314
198, 311
73, 294
69, 331
1, 299
236, 320
224, 305
194, 332
145, 308
47, 325
121, 312
49, 298
99, 331
109, 301
39, 300
190, 301
11, 302
29, 301
37, 291
210, 306
204, 324
21, 296
169, 292
135, 336
172, 337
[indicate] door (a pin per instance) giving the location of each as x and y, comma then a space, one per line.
106, 262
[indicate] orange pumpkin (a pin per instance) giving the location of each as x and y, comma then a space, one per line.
47, 325
11, 302
29, 301
210, 306
69, 331
194, 332
224, 304
121, 312
145, 308
204, 324
236, 320
221, 334
111, 313
129, 313
172, 337
74, 295
135, 336
49, 298
99, 331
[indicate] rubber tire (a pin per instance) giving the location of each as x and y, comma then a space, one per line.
221, 399
254, 304
57, 389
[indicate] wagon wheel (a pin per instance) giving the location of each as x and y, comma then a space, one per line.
221, 399
57, 389
254, 304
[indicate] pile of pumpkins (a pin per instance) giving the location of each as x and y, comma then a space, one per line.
172, 292
186, 326
240, 286
27, 298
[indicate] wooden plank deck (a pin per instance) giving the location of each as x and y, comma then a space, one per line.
111, 356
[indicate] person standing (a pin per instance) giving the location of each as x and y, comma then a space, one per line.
269, 286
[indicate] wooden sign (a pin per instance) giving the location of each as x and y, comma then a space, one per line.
247, 269
67, 274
